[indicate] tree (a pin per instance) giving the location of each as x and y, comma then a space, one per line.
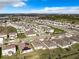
49, 57
0, 52
58, 56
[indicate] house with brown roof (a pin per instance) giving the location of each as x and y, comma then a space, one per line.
24, 47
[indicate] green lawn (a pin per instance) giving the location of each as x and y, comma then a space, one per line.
57, 31
21, 35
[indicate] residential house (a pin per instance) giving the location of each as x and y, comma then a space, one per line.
8, 50
24, 47
30, 33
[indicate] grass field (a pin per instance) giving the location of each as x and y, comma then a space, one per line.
21, 35
57, 31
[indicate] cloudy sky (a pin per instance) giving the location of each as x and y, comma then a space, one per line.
39, 6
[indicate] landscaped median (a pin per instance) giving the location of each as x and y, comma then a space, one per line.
56, 30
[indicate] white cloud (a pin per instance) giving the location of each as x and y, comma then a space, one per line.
62, 10
20, 4
14, 3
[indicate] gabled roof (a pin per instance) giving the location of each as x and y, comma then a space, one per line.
8, 46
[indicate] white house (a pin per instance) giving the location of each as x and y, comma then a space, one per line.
8, 50
12, 35
1, 40
3, 35
51, 30
27, 28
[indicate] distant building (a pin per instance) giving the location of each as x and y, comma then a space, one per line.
30, 33
27, 28
12, 35
51, 30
